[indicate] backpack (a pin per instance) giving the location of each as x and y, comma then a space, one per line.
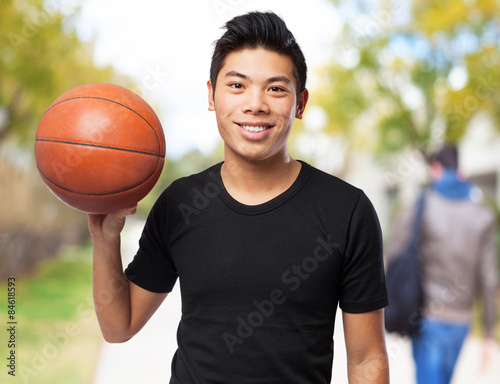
403, 282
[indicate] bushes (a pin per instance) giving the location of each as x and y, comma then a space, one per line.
33, 223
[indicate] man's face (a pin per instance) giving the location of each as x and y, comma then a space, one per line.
255, 103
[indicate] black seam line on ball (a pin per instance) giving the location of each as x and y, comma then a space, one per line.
111, 101
100, 194
100, 146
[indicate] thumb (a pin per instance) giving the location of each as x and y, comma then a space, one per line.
118, 218
129, 211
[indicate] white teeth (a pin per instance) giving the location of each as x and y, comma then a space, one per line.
254, 129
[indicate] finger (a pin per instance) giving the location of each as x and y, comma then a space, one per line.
131, 210
94, 219
127, 211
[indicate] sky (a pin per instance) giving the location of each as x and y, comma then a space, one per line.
166, 46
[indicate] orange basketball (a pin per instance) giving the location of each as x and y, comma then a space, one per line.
100, 148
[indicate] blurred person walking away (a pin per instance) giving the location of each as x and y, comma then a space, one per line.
458, 261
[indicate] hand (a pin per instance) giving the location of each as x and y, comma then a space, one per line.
488, 351
108, 226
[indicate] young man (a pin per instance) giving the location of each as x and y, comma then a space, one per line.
264, 246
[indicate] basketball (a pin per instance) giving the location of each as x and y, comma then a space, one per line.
100, 148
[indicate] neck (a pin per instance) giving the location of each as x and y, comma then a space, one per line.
254, 182
452, 186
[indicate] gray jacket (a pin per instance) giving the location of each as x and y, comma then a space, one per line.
458, 256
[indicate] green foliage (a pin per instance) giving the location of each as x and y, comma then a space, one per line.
41, 58
56, 277
419, 71
58, 338
58, 288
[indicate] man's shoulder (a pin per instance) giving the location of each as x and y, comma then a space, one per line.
328, 183
483, 211
185, 186
202, 178
334, 196
477, 208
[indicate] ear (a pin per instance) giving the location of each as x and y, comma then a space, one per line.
436, 171
301, 105
211, 103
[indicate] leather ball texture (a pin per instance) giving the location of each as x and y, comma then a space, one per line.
100, 148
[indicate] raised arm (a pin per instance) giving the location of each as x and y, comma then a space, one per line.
367, 360
488, 282
122, 307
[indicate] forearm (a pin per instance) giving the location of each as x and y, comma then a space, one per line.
490, 313
488, 279
111, 291
367, 360
372, 370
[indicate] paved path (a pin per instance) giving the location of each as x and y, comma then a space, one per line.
147, 357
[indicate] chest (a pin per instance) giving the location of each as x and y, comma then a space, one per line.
232, 259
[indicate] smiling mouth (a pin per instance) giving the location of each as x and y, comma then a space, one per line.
255, 128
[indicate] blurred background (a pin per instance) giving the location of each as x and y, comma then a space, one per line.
390, 81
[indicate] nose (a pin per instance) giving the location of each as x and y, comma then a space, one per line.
255, 102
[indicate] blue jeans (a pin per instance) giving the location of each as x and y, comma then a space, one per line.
436, 349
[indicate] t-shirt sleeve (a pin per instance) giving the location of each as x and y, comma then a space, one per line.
363, 279
152, 268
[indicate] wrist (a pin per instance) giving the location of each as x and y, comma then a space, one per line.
105, 241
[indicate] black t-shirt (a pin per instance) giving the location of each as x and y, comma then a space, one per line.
260, 284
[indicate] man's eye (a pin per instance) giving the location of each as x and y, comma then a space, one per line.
236, 85
276, 89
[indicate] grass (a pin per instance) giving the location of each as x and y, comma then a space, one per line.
57, 336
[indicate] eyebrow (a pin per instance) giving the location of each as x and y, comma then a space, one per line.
273, 79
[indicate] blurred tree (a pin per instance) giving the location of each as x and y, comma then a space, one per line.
411, 73
190, 163
41, 57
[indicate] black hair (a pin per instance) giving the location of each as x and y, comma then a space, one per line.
447, 156
259, 30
